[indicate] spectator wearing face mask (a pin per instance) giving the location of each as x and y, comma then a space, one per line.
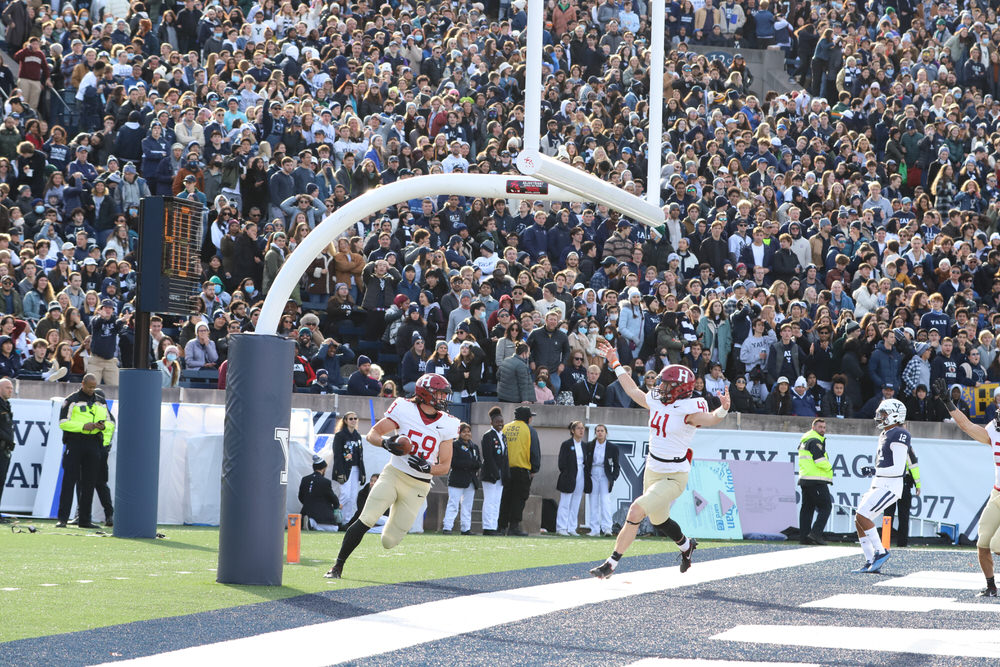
169, 366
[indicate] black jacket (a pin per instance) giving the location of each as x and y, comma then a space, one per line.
318, 499
465, 463
567, 468
612, 466
6, 426
348, 451
585, 393
496, 468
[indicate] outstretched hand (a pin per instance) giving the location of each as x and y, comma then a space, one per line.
940, 388
724, 398
608, 351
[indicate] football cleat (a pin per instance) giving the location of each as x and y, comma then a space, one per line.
603, 571
987, 593
864, 568
335, 571
686, 555
878, 562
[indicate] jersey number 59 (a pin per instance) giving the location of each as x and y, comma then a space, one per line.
424, 447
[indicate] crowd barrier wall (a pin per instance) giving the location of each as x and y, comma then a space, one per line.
957, 473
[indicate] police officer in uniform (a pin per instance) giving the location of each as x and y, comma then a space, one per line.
319, 502
87, 427
815, 479
6, 435
496, 471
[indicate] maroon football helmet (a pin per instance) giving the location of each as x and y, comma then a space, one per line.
435, 391
675, 382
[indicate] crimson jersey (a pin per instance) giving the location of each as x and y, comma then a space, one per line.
670, 434
424, 432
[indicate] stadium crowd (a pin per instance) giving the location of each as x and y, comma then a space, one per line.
820, 249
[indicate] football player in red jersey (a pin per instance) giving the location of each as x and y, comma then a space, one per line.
673, 418
403, 485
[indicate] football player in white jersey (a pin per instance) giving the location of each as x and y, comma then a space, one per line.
988, 542
403, 485
673, 418
887, 480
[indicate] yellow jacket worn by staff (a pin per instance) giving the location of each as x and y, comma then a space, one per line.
518, 435
80, 409
814, 464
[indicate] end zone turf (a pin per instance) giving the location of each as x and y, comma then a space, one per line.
64, 580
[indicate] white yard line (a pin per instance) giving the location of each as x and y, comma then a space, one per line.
375, 634
961, 581
925, 641
915, 603
704, 662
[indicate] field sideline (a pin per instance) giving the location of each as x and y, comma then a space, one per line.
66, 580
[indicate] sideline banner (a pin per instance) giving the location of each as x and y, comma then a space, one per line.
956, 475
32, 433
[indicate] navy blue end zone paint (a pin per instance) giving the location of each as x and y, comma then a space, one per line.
674, 623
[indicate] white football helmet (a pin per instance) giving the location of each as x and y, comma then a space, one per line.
890, 412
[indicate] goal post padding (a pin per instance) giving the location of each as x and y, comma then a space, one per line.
255, 460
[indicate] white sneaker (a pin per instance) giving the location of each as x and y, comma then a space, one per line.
57, 375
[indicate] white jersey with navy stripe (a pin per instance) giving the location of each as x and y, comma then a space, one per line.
893, 451
995, 444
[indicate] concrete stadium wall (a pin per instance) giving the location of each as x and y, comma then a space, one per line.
551, 422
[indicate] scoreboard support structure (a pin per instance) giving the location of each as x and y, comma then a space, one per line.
170, 232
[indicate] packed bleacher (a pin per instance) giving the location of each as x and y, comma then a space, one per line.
821, 248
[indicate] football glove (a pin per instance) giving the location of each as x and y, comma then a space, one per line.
943, 395
390, 445
419, 464
868, 471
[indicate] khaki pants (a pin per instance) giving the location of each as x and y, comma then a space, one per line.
659, 491
106, 370
402, 495
32, 92
989, 524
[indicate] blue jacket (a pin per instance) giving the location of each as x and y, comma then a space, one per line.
534, 241
360, 384
885, 367
803, 406
282, 187
152, 152
345, 355
408, 289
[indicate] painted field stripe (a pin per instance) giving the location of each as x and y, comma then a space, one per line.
925, 641
915, 603
374, 634
960, 581
704, 662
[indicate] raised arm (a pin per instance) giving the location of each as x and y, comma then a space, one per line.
974, 431
607, 350
714, 417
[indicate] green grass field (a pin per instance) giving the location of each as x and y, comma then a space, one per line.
64, 580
